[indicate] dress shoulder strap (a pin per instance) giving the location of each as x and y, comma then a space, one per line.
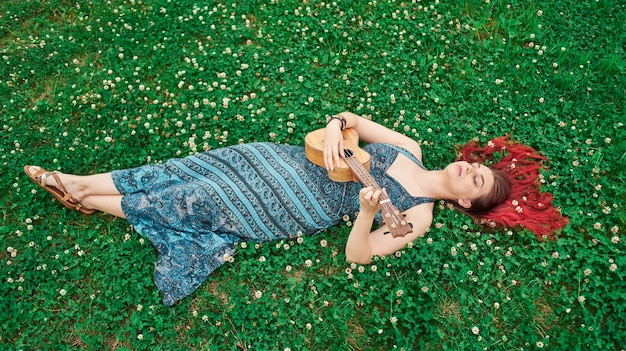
408, 154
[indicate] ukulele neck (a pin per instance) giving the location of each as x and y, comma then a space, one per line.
365, 177
397, 225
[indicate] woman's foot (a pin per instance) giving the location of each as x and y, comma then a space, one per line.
64, 190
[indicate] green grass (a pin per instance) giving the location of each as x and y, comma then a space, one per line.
97, 86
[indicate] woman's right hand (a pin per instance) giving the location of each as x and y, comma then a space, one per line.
333, 145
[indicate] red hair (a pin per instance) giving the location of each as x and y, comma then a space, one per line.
526, 206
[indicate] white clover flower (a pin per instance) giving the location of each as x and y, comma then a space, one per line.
475, 330
258, 294
613, 267
62, 292
581, 299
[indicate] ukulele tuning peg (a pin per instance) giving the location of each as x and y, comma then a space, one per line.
394, 226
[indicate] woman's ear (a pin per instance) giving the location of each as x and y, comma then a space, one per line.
464, 203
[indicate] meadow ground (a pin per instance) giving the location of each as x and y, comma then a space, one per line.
91, 86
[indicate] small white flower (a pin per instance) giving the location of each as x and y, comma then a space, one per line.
62, 292
475, 330
258, 294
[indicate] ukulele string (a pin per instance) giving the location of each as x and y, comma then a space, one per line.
367, 180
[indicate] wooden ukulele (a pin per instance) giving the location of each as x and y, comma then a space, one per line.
356, 160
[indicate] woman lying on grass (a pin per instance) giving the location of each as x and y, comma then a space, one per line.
195, 209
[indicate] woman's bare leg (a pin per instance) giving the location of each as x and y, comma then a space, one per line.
93, 191
111, 204
83, 186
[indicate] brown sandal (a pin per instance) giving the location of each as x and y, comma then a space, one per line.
59, 192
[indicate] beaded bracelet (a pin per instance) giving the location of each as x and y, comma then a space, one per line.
341, 119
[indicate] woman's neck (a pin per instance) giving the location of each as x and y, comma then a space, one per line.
435, 184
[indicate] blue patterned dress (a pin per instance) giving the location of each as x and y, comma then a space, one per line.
195, 209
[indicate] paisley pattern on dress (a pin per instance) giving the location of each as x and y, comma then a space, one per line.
195, 209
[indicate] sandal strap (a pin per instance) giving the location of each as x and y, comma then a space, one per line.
43, 179
39, 172
66, 195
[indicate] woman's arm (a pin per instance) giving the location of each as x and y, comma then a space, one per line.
362, 244
369, 132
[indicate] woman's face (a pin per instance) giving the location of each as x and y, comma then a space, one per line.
469, 181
